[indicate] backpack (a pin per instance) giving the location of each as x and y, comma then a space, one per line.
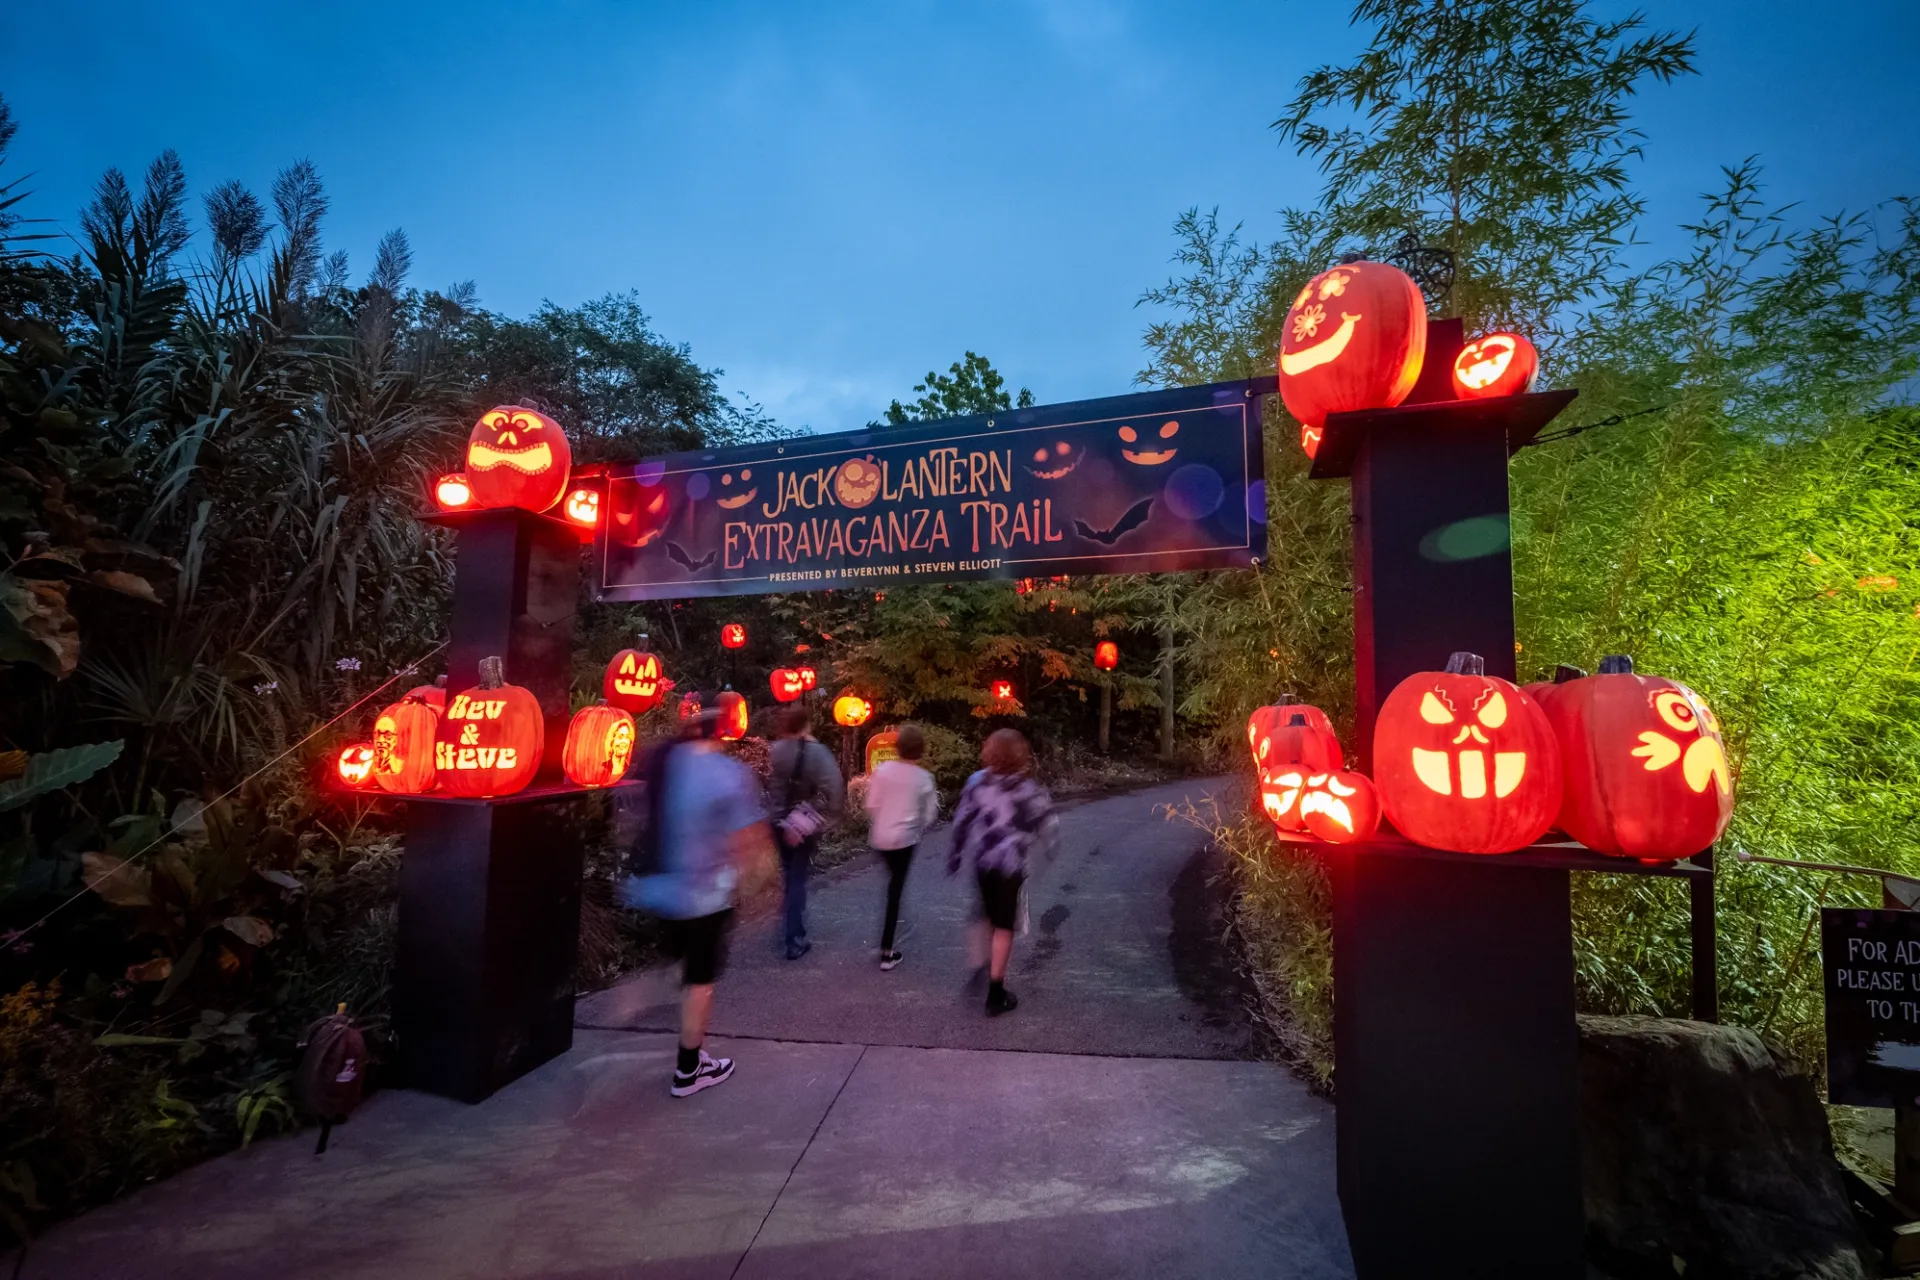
332, 1073
640, 816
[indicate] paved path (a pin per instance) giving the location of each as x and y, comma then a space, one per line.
1111, 1127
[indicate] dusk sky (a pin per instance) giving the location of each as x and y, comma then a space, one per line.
827, 200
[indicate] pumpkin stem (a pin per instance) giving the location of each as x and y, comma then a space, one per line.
1466, 664
492, 673
1616, 664
642, 644
1564, 673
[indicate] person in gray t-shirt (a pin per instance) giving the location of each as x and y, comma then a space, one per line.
801, 772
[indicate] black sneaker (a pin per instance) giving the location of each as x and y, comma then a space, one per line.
797, 949
889, 959
1001, 1001
709, 1072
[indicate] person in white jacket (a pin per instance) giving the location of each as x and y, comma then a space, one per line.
901, 804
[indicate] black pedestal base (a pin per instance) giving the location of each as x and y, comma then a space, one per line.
488, 931
1459, 1150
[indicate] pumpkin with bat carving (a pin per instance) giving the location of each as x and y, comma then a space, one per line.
1646, 772
599, 746
1466, 761
355, 765
632, 682
517, 457
490, 740
1355, 338
403, 752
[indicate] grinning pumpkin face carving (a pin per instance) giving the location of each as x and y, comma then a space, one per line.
632, 681
1500, 364
734, 501
1355, 338
1466, 761
856, 482
583, 507
1054, 461
517, 457
1150, 457
639, 513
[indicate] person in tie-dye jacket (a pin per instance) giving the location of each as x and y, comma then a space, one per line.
1003, 815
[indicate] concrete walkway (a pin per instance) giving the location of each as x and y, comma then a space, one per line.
878, 1124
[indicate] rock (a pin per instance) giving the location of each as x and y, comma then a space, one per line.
1705, 1154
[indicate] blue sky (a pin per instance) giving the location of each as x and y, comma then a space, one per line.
826, 200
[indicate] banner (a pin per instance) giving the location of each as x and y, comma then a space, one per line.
1156, 482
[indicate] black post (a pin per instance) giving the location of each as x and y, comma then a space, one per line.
1706, 962
1455, 1041
489, 916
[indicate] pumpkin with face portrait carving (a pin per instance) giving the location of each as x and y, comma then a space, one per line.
1340, 807
599, 746
517, 457
1466, 761
403, 737
1355, 338
1646, 772
490, 740
632, 682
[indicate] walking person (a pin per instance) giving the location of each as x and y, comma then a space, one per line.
805, 795
1003, 813
707, 831
902, 803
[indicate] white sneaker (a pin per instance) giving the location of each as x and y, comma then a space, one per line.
889, 959
709, 1072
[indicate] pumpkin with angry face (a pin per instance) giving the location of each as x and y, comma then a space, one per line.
1466, 761
1646, 771
1355, 338
1340, 807
517, 457
733, 635
1286, 756
632, 682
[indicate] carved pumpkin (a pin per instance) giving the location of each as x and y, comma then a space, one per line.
583, 507
787, 684
452, 493
355, 765
1002, 690
1265, 720
809, 678
851, 710
882, 747
1286, 756
1279, 796
517, 457
433, 695
403, 751
1340, 807
1466, 761
1500, 364
599, 746
690, 705
733, 716
1354, 338
1106, 655
632, 682
1645, 770
733, 635
490, 740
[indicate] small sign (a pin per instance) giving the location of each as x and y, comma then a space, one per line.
1161, 481
882, 747
1871, 963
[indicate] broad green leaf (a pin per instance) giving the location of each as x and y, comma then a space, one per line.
52, 770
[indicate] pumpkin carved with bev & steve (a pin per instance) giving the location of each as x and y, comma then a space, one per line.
490, 740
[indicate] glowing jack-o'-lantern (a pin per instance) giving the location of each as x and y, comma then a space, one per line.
856, 482
599, 746
1466, 761
632, 682
1002, 690
809, 678
1355, 338
452, 493
1500, 364
690, 705
355, 765
1645, 770
517, 457
490, 740
733, 635
851, 710
1286, 756
733, 715
403, 751
433, 695
786, 683
1340, 807
1106, 655
583, 507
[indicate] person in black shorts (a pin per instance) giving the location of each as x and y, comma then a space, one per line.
1003, 814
